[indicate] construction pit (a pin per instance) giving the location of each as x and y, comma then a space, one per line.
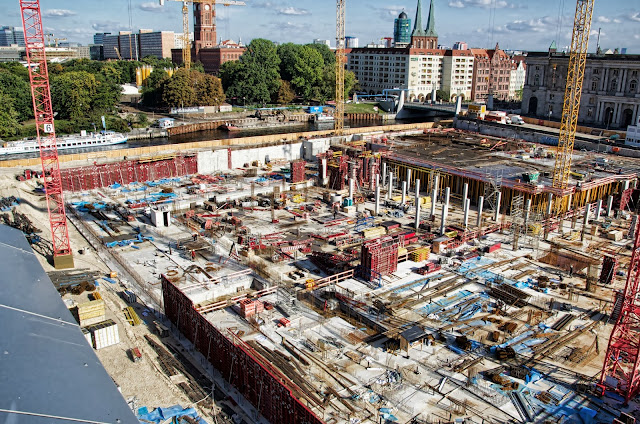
322, 298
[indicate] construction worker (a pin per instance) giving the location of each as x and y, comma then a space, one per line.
193, 255
195, 236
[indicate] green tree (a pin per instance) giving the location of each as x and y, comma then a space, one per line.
285, 93
73, 94
18, 90
328, 56
326, 89
443, 95
143, 119
9, 125
178, 90
152, 88
256, 76
519, 94
208, 89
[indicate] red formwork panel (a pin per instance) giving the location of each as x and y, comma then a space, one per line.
379, 257
125, 172
298, 170
268, 390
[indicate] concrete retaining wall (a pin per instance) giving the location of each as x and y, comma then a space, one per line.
218, 160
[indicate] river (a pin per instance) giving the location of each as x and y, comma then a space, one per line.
210, 135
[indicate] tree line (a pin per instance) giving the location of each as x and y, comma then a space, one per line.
265, 73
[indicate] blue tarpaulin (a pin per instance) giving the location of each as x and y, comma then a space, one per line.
159, 415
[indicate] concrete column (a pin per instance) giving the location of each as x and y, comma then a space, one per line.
527, 214
549, 204
384, 173
323, 173
598, 209
586, 214
465, 192
408, 179
436, 181
417, 223
499, 197
570, 203
626, 185
458, 105
467, 203
443, 222
352, 184
609, 206
447, 194
390, 189
404, 192
480, 205
376, 210
433, 95
434, 194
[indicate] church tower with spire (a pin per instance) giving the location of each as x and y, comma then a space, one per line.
424, 38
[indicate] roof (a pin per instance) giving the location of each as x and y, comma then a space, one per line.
431, 22
417, 27
402, 15
47, 366
413, 334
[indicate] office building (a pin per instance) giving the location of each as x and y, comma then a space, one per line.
351, 42
321, 41
157, 44
11, 36
98, 38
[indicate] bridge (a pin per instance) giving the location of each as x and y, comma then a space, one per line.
431, 109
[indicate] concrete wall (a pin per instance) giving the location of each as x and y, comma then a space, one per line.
218, 160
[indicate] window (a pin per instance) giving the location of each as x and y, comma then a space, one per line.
594, 85
591, 100
613, 85
596, 71
633, 85
590, 112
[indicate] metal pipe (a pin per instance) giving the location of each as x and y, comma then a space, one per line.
550, 203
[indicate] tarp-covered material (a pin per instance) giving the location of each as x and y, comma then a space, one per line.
159, 415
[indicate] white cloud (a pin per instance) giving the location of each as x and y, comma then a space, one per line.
58, 13
151, 6
485, 4
607, 20
108, 26
635, 16
594, 32
544, 24
391, 11
293, 11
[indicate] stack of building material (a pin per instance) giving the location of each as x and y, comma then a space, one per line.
375, 232
104, 334
379, 257
420, 255
297, 171
249, 308
91, 312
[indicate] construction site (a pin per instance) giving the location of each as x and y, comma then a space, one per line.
414, 273
417, 276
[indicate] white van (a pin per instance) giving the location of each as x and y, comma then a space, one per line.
516, 119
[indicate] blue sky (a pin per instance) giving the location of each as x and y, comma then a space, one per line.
515, 24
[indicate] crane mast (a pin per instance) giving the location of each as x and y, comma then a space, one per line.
572, 95
340, 61
46, 134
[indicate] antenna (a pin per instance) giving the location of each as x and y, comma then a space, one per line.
598, 41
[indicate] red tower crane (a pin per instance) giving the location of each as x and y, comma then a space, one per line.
620, 370
43, 111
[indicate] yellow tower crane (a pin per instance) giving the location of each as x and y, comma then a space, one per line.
572, 94
340, 61
186, 47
